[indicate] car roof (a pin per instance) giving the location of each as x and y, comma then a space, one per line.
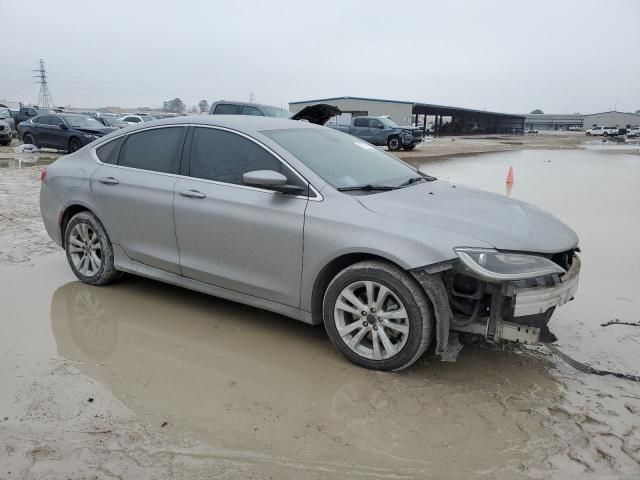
248, 124
233, 102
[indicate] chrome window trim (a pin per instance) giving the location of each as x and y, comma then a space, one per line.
317, 198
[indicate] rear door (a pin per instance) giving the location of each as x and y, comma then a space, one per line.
133, 190
241, 238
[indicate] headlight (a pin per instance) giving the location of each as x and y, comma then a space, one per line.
91, 137
493, 265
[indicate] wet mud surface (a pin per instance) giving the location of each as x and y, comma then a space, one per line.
145, 380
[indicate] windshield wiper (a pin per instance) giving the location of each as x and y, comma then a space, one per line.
366, 188
413, 180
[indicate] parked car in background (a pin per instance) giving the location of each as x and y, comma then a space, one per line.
531, 131
235, 206
113, 121
25, 113
6, 134
633, 132
602, 131
137, 118
62, 131
6, 117
575, 128
382, 131
226, 107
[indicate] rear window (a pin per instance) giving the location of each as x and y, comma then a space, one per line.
226, 109
157, 150
108, 153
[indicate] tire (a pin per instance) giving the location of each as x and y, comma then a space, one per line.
74, 144
28, 139
408, 148
588, 134
86, 238
4, 144
393, 143
408, 332
605, 134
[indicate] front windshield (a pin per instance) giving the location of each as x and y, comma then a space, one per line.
80, 121
340, 159
389, 123
5, 113
277, 112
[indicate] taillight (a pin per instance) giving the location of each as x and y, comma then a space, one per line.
43, 174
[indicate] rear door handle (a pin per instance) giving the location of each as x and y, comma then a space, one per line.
192, 194
109, 181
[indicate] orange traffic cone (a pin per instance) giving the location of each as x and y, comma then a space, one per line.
510, 175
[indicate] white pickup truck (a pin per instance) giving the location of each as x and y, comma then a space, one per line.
602, 131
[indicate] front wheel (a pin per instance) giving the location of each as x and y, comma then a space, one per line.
393, 143
89, 250
377, 316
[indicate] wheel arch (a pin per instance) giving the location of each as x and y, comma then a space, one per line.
72, 209
330, 270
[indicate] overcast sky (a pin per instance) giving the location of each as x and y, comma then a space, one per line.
511, 56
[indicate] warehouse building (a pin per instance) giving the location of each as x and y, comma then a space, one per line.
553, 121
439, 119
612, 119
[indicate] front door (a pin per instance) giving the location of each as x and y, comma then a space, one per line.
134, 194
245, 239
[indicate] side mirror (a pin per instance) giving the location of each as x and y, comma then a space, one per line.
63, 126
381, 127
271, 180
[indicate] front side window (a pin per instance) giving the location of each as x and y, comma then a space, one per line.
225, 156
43, 120
361, 122
277, 112
226, 109
375, 123
157, 150
340, 159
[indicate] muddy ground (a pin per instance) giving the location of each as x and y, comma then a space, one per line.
144, 380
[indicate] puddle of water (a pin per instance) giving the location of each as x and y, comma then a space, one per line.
26, 160
245, 379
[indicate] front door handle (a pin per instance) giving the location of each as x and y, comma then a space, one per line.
109, 181
192, 194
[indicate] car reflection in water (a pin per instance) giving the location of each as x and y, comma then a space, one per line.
221, 367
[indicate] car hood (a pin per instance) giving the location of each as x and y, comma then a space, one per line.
97, 131
318, 114
493, 219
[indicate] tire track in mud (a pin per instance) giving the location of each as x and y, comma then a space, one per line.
586, 368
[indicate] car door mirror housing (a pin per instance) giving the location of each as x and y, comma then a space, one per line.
63, 126
270, 180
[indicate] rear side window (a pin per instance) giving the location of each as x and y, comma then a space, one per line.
157, 150
108, 153
224, 157
226, 109
132, 119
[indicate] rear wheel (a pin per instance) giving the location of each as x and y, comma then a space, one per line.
377, 316
28, 139
393, 143
89, 250
74, 144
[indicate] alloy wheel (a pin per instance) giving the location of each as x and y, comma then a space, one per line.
371, 320
85, 250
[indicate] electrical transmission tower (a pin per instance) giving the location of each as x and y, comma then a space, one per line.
44, 97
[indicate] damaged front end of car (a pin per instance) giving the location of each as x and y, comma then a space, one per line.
502, 296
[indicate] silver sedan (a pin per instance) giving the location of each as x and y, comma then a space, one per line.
313, 224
